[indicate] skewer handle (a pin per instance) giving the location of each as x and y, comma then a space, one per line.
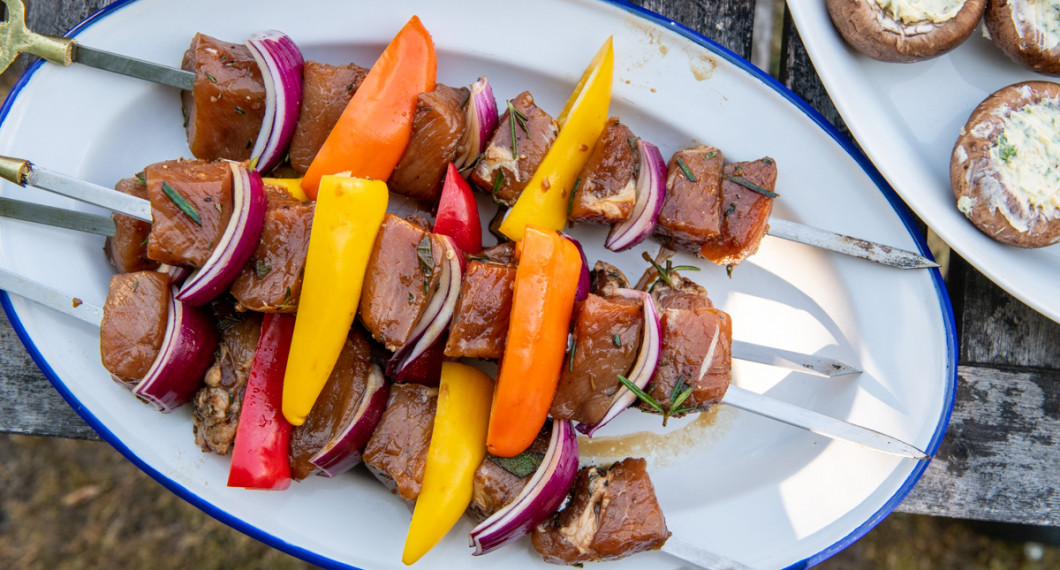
44, 295
23, 173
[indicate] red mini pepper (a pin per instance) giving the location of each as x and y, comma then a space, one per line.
260, 454
458, 213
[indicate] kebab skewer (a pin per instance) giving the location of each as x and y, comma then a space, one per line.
285, 67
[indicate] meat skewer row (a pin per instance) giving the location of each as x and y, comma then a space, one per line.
218, 127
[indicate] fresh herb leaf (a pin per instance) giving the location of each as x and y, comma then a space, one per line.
644, 397
498, 180
426, 259
732, 208
182, 203
752, 186
573, 351
522, 465
515, 116
261, 268
1005, 149
684, 168
712, 154
616, 340
573, 193
211, 78
240, 110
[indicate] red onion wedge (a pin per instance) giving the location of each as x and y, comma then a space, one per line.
237, 243
643, 367
344, 450
281, 65
482, 120
541, 496
435, 318
584, 279
651, 192
177, 274
187, 351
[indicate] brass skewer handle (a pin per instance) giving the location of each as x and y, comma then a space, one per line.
16, 38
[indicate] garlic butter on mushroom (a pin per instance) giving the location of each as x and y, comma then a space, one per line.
905, 30
1005, 167
1028, 31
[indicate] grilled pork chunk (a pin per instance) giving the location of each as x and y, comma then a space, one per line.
691, 213
397, 452
271, 282
745, 211
224, 110
613, 513
504, 174
127, 248
438, 126
206, 187
498, 481
326, 89
479, 327
134, 324
608, 187
216, 406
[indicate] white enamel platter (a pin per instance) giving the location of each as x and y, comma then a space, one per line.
907, 118
762, 493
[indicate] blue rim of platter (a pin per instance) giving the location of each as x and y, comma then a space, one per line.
866, 165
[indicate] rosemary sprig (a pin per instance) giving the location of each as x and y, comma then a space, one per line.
515, 116
573, 193
664, 272
711, 154
644, 397
752, 186
182, 203
684, 168
678, 396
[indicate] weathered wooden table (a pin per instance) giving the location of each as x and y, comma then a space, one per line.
1000, 456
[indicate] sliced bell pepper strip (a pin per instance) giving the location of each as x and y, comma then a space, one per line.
546, 196
546, 281
458, 446
260, 454
458, 213
347, 217
374, 128
293, 186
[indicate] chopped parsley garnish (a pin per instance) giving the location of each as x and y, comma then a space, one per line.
1005, 149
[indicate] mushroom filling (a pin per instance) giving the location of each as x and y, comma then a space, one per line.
1026, 155
916, 16
1037, 21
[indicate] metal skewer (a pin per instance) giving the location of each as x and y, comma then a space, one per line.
735, 396
23, 173
15, 38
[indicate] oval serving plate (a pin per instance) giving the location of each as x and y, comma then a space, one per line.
748, 488
907, 118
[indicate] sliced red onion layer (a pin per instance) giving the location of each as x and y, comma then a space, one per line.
481, 122
344, 450
541, 496
281, 65
435, 318
237, 243
651, 193
582, 292
177, 274
187, 351
643, 367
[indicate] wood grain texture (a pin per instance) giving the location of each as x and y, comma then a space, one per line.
729, 23
999, 459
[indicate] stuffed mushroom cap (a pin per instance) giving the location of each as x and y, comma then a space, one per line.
1005, 166
1028, 31
905, 30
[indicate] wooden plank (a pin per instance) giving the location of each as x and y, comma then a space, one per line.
999, 459
729, 23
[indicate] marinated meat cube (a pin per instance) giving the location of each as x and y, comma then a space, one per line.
176, 238
271, 282
134, 324
612, 514
504, 174
403, 273
607, 335
336, 405
697, 353
216, 406
503, 252
498, 481
684, 294
745, 211
326, 89
691, 213
437, 128
608, 181
397, 452
479, 327
605, 278
224, 110
127, 248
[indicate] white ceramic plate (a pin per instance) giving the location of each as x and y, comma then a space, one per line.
907, 118
763, 493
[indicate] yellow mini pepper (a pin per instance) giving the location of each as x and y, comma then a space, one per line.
546, 196
293, 186
347, 217
458, 446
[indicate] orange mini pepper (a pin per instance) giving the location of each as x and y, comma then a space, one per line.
543, 298
373, 131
